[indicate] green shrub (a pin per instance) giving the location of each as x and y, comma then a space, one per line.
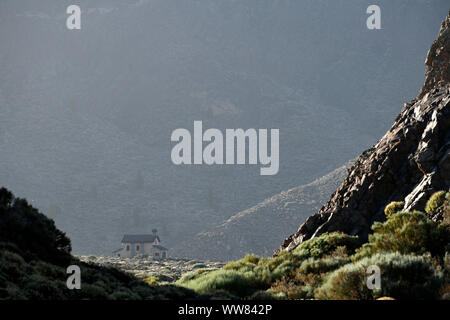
93, 292
301, 282
297, 285
237, 283
321, 266
406, 232
248, 263
326, 244
189, 276
435, 201
393, 208
402, 277
266, 270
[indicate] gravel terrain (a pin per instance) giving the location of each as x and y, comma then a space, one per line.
167, 270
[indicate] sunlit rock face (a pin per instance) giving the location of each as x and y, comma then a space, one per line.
410, 162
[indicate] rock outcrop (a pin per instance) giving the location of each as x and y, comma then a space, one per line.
409, 163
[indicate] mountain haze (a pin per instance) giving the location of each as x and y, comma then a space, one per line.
257, 229
86, 115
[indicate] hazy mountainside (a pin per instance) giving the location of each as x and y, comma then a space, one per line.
410, 163
256, 229
86, 116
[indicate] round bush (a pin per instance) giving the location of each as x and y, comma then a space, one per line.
406, 232
326, 244
435, 201
393, 207
234, 282
402, 277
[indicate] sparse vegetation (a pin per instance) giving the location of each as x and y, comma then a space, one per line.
409, 248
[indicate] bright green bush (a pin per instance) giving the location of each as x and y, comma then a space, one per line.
193, 275
266, 270
248, 263
406, 232
402, 277
235, 282
393, 207
321, 266
435, 201
326, 244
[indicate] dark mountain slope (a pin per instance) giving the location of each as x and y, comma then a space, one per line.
411, 162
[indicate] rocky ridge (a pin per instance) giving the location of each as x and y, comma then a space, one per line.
411, 161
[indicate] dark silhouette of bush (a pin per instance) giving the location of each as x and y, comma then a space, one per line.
30, 231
